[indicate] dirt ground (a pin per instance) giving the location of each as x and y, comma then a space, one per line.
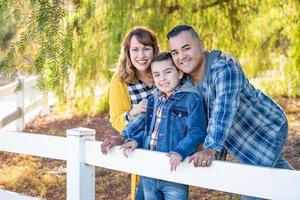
115, 185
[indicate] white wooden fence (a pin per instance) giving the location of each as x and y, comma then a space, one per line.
20, 89
82, 154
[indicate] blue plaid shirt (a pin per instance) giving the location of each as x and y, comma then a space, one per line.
240, 117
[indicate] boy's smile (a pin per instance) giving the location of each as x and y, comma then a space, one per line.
166, 76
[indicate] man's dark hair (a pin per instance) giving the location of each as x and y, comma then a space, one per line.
180, 28
163, 56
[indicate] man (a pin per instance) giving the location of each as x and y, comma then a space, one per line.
241, 119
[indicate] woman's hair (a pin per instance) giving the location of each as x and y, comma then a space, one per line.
125, 68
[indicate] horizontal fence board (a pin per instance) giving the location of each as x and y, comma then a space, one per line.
31, 81
9, 89
10, 118
33, 144
7, 195
36, 104
236, 178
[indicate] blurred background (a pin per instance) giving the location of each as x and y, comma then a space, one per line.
73, 46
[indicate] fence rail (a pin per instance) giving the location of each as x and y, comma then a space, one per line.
21, 88
9, 89
83, 154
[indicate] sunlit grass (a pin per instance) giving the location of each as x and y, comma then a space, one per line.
25, 174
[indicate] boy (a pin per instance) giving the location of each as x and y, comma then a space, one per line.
174, 123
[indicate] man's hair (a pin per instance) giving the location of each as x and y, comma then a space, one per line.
163, 56
180, 28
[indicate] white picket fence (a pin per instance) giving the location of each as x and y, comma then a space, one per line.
82, 154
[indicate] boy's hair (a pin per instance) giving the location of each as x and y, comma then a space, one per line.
163, 56
180, 28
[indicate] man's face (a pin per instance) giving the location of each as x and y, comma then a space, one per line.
166, 76
186, 52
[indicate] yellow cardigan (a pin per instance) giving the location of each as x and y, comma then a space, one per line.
119, 104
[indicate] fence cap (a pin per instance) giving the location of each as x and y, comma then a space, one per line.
81, 131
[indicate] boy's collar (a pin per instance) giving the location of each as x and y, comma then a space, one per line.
162, 96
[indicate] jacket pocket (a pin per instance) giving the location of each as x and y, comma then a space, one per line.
178, 122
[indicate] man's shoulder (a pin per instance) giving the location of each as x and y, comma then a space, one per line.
223, 66
221, 62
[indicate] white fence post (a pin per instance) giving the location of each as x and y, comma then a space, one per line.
20, 103
80, 177
45, 107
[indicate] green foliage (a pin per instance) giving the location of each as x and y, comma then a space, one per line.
74, 45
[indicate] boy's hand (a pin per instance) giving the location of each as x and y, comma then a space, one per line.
203, 158
128, 147
111, 142
139, 108
174, 161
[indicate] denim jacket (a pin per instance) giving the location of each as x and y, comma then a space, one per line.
183, 125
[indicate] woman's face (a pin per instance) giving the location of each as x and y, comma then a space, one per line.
140, 55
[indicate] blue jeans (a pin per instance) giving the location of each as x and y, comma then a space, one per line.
279, 162
139, 193
155, 189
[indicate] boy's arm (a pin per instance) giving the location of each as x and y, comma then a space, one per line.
196, 128
135, 129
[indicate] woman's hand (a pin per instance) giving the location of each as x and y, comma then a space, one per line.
128, 147
139, 108
111, 142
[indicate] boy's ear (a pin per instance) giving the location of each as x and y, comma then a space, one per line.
180, 74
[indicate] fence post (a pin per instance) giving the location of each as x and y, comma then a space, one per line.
80, 177
20, 103
45, 107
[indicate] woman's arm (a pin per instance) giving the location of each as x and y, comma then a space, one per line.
119, 103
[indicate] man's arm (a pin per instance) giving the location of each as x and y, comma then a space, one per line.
228, 81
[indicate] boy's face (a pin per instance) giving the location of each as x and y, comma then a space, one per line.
166, 76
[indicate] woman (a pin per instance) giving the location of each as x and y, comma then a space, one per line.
130, 86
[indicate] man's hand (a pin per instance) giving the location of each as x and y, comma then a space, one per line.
111, 142
174, 161
203, 158
128, 147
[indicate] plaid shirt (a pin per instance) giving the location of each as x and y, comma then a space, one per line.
137, 93
154, 135
240, 117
